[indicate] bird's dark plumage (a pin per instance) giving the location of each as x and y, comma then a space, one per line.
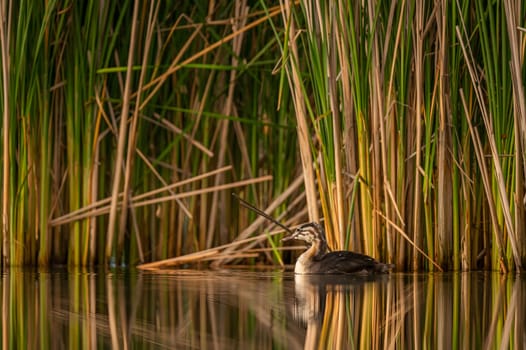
318, 260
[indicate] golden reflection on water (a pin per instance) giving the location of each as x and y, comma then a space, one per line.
260, 310
413, 311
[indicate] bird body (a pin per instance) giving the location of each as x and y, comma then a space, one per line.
317, 259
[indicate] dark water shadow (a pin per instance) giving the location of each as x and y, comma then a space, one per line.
228, 309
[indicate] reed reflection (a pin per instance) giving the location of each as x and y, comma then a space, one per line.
132, 309
462, 310
260, 310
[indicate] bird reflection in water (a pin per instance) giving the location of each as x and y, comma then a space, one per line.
327, 305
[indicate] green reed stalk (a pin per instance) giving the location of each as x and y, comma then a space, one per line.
444, 212
44, 141
359, 70
302, 109
80, 75
6, 142
499, 93
496, 116
4, 45
116, 187
398, 64
418, 109
435, 139
460, 207
22, 129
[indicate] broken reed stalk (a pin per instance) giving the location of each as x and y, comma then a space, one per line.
167, 187
260, 212
170, 126
219, 252
256, 223
156, 83
228, 252
76, 215
135, 203
408, 239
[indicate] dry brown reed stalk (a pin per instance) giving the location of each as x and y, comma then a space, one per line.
415, 229
410, 241
101, 204
135, 203
519, 124
241, 11
390, 136
221, 252
247, 232
122, 136
132, 131
168, 188
337, 191
497, 168
477, 145
293, 75
378, 141
156, 83
190, 138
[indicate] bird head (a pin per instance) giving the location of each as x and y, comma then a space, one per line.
309, 233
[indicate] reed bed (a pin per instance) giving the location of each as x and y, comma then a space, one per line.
408, 105
402, 125
127, 126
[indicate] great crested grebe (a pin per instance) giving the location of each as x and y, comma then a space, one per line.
318, 260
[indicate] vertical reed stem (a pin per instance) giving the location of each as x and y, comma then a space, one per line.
122, 135
5, 20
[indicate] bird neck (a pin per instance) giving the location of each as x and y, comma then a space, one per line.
318, 248
313, 254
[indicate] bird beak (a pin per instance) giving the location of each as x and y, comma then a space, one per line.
289, 238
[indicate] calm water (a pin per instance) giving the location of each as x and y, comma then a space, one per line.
260, 310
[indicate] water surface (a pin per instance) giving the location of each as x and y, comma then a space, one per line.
229, 309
